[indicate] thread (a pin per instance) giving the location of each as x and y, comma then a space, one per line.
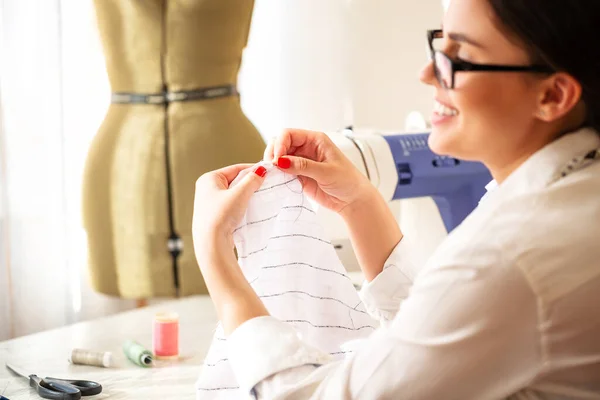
165, 336
88, 357
137, 354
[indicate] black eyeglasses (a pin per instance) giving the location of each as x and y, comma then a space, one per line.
445, 67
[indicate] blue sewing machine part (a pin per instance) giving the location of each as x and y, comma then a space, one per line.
456, 186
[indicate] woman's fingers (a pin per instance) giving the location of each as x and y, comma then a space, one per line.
283, 142
232, 171
248, 185
292, 140
303, 167
221, 178
268, 155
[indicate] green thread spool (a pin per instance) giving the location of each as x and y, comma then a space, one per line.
137, 354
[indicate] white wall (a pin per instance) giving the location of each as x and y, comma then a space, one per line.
322, 64
292, 73
388, 51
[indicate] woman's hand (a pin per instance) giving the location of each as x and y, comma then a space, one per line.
327, 175
218, 209
331, 179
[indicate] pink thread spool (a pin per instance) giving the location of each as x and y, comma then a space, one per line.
165, 336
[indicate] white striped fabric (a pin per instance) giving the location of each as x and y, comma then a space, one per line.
295, 270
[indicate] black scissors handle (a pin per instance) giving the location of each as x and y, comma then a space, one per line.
54, 390
63, 389
87, 388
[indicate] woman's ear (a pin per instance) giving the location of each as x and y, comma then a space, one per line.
560, 94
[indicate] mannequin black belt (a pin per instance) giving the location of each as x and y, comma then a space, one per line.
170, 97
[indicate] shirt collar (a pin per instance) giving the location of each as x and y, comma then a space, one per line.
489, 188
545, 165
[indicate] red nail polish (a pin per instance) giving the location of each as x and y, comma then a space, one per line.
261, 171
284, 163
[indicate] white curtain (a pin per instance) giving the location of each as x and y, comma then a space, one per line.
309, 63
54, 94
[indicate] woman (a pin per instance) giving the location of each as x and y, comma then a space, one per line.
507, 305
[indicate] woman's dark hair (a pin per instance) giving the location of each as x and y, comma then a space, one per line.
562, 34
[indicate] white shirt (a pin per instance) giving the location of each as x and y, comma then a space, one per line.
508, 306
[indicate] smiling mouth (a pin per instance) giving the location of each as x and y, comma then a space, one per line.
443, 110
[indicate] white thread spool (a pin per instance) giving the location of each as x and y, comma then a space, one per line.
88, 357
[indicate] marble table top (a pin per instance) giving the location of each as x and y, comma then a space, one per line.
46, 354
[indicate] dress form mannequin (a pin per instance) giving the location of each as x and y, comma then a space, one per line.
143, 163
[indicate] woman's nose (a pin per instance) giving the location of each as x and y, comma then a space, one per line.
427, 75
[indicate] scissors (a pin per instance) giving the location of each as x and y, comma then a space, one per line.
59, 389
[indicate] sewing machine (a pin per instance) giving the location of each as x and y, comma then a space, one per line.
401, 166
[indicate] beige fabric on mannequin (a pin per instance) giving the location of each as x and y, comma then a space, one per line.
125, 182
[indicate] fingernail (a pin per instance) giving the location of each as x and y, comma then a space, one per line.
261, 171
284, 163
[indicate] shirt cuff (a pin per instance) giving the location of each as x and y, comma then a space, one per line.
384, 294
264, 346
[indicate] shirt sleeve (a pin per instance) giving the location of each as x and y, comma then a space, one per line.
463, 333
384, 294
